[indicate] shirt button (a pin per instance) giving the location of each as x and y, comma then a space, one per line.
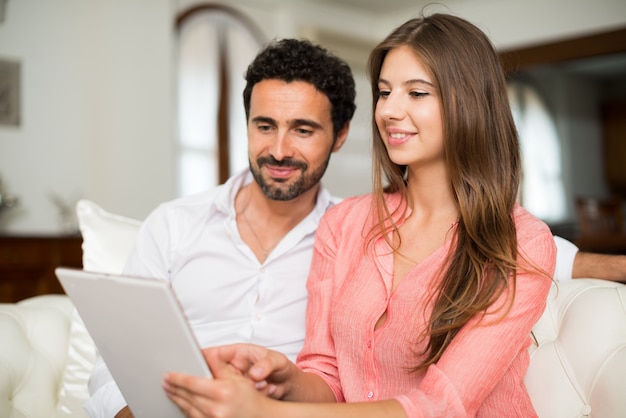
257, 317
370, 394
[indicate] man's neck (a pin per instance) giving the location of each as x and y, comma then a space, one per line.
252, 199
263, 222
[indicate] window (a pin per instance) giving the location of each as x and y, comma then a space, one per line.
215, 45
542, 192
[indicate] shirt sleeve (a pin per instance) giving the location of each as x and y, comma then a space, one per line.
489, 347
106, 399
565, 254
318, 354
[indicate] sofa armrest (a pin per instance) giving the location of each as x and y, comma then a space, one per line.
578, 365
35, 334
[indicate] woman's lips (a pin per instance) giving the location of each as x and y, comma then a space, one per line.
398, 138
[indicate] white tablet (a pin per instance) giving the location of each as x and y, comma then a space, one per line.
141, 333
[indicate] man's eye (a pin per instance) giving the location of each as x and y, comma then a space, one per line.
304, 131
264, 128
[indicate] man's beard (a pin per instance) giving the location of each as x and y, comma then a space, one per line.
274, 191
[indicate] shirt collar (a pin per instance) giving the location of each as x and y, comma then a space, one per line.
225, 194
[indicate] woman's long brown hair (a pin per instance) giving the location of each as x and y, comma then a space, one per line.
483, 161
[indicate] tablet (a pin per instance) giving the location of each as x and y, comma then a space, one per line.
141, 333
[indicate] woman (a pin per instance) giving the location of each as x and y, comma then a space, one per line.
423, 294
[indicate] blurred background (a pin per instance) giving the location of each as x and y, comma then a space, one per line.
119, 101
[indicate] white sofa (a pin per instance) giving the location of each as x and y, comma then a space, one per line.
46, 354
577, 369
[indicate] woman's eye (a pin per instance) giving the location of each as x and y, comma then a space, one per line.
418, 94
383, 93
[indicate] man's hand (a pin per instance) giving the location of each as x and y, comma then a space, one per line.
600, 266
124, 413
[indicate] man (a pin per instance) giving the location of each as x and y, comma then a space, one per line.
238, 256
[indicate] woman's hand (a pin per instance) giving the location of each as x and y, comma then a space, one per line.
270, 372
243, 376
226, 397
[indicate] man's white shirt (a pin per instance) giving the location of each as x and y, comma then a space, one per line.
227, 295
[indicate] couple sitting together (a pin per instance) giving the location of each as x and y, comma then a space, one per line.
416, 300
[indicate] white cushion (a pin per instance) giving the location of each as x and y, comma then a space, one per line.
107, 238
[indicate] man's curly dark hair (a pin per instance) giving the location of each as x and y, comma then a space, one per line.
300, 60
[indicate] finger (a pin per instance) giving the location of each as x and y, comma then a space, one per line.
223, 370
273, 364
190, 407
186, 385
270, 390
190, 393
233, 353
180, 396
240, 357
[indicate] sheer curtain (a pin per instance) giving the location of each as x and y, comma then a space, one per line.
215, 46
542, 192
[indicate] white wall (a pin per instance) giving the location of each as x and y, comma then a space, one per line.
96, 107
516, 23
98, 99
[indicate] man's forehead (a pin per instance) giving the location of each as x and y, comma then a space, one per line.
296, 100
292, 90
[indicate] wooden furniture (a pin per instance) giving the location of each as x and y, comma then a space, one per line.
27, 264
614, 132
601, 225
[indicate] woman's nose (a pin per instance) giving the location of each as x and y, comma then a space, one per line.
390, 108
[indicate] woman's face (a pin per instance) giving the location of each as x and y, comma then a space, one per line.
408, 111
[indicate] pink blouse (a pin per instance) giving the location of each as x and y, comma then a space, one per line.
480, 374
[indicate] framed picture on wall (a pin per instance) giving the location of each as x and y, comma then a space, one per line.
9, 92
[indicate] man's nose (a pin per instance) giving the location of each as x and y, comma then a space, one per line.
281, 147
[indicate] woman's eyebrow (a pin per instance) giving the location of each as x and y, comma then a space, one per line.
409, 82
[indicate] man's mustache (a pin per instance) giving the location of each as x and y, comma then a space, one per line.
287, 162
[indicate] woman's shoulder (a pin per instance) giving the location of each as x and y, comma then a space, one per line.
352, 205
348, 213
529, 227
